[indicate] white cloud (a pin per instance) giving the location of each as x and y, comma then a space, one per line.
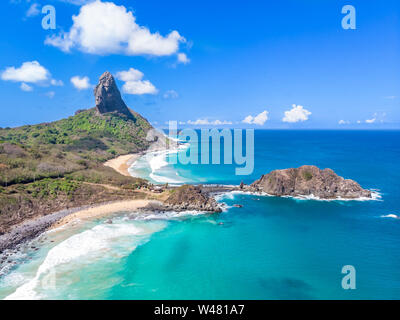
50, 94
182, 58
371, 120
248, 119
223, 122
81, 83
377, 117
130, 75
33, 10
134, 83
31, 72
358, 121
259, 119
105, 28
26, 87
139, 87
296, 114
344, 122
206, 122
171, 94
57, 83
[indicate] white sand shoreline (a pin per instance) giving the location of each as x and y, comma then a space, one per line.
102, 210
121, 164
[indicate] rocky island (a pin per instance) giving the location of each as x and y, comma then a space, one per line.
189, 197
309, 181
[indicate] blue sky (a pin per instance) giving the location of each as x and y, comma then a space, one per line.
218, 63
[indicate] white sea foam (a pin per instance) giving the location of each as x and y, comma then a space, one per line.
168, 215
94, 243
375, 196
156, 161
393, 216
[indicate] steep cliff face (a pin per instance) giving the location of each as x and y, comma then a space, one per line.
309, 180
108, 98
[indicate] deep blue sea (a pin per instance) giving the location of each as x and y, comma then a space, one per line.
271, 248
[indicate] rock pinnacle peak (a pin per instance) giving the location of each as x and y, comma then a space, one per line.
107, 96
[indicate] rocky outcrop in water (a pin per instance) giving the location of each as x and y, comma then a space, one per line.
108, 98
188, 197
307, 181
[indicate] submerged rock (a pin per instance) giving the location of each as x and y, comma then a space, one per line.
307, 181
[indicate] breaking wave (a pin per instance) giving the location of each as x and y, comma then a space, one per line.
375, 196
93, 244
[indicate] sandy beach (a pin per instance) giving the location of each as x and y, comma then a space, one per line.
121, 164
102, 210
32, 228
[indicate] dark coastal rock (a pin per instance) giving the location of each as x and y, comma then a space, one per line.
309, 180
188, 197
108, 98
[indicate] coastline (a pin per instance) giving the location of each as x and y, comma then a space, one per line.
32, 228
121, 164
101, 210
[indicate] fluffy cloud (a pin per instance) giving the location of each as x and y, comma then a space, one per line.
50, 94
31, 72
170, 94
139, 87
57, 83
377, 117
206, 122
33, 10
26, 87
296, 114
371, 120
130, 75
81, 83
259, 119
344, 122
182, 58
105, 28
134, 83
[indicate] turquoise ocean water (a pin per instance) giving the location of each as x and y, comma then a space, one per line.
271, 248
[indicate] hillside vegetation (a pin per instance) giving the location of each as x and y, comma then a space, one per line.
60, 164
81, 142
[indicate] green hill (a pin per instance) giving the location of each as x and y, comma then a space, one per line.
83, 141
52, 166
